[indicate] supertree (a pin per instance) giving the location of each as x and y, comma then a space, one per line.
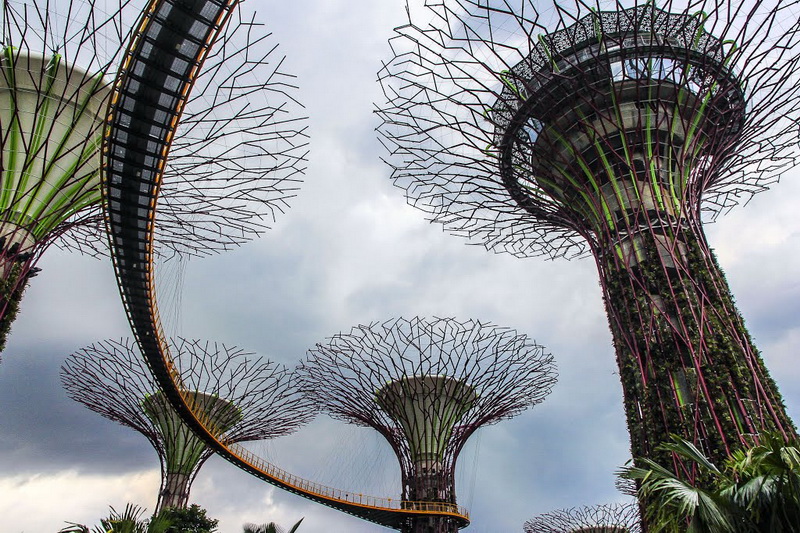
426, 386
611, 128
613, 518
234, 162
243, 397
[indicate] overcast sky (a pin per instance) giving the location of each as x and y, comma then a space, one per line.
351, 251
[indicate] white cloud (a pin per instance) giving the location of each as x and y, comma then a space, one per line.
38, 503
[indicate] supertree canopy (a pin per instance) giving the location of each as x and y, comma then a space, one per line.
243, 397
426, 386
614, 518
234, 161
610, 128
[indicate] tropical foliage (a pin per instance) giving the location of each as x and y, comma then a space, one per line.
191, 519
272, 527
129, 521
171, 520
757, 490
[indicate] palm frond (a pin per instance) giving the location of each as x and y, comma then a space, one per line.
271, 527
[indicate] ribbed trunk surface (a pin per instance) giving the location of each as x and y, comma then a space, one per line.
174, 491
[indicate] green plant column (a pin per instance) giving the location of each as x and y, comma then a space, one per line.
183, 451
12, 286
51, 119
427, 409
687, 363
622, 167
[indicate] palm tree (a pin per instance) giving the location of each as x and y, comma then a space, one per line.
757, 490
272, 527
768, 483
128, 522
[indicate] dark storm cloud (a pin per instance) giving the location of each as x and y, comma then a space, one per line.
43, 431
72, 303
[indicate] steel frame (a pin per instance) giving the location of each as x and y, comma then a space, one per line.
613, 518
236, 158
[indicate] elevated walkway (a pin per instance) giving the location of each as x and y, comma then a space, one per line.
161, 64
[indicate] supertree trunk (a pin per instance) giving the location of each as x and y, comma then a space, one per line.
174, 492
687, 364
621, 160
14, 280
430, 525
184, 452
50, 119
430, 481
625, 157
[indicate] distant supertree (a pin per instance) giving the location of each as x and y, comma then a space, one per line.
564, 128
614, 518
234, 162
426, 386
244, 397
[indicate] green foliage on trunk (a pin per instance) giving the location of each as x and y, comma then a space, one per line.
11, 290
192, 519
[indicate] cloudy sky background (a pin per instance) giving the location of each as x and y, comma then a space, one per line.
351, 251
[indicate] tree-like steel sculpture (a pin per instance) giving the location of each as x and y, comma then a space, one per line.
610, 128
234, 163
245, 397
426, 386
613, 518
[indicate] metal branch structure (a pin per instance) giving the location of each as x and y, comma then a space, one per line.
238, 154
614, 518
426, 386
610, 128
236, 159
247, 398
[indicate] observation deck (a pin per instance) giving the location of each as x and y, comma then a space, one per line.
162, 62
591, 101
